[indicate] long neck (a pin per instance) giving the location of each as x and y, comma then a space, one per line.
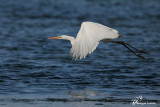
70, 38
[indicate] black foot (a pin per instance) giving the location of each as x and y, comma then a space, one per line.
142, 51
140, 56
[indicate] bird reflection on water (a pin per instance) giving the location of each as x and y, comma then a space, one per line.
82, 94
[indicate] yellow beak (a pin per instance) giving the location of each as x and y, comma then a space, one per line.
54, 37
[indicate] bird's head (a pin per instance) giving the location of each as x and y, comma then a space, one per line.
58, 37
65, 37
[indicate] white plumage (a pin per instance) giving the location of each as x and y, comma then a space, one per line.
88, 38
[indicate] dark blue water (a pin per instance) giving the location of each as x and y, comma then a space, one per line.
30, 64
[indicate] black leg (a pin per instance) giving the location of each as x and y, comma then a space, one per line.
141, 51
125, 44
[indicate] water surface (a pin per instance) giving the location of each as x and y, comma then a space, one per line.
42, 71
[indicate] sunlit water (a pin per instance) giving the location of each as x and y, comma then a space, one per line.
31, 65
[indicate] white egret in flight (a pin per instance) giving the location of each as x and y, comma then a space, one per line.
89, 36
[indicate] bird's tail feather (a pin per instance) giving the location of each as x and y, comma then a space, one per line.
120, 35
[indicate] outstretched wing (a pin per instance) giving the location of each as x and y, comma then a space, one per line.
88, 38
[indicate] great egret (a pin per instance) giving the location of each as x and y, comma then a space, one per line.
89, 36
